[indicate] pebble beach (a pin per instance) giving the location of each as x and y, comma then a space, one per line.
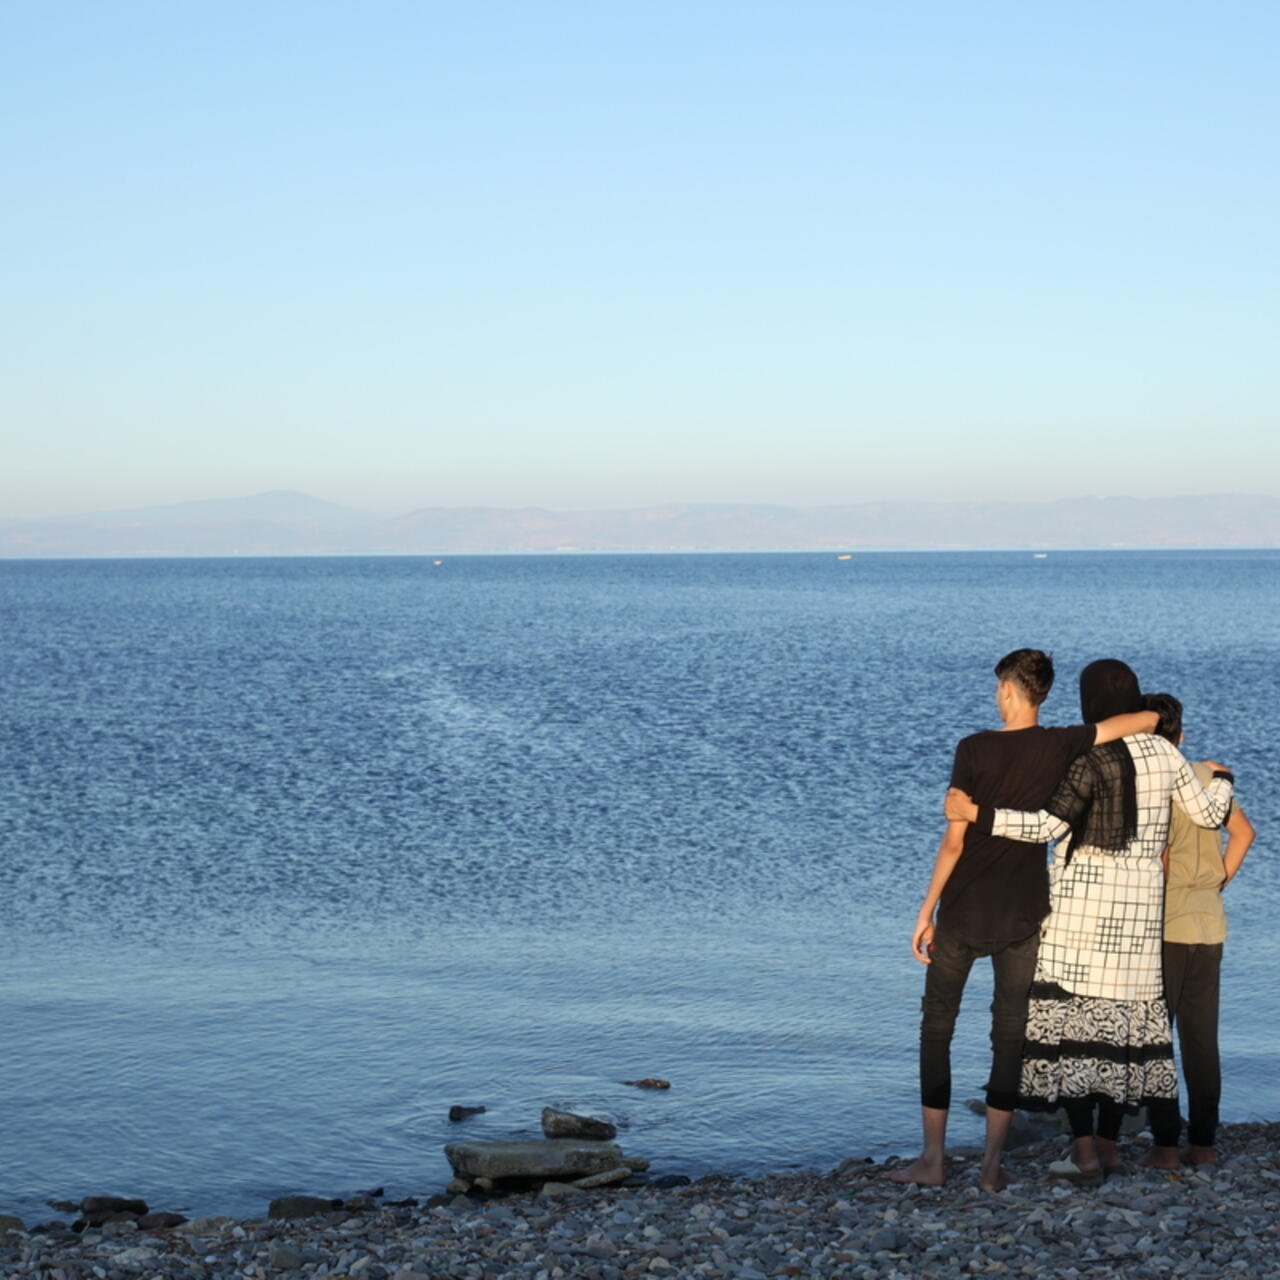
850, 1222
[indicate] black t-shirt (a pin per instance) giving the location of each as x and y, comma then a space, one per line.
999, 890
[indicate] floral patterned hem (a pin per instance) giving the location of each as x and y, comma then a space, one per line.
1087, 1047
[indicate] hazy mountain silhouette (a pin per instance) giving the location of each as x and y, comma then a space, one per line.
284, 522
277, 506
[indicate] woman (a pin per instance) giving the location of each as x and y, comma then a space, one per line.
1097, 1025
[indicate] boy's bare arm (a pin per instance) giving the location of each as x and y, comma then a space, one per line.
949, 850
1125, 726
1240, 835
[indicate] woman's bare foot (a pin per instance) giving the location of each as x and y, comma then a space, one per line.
1081, 1161
1108, 1157
1161, 1158
1199, 1155
992, 1179
1090, 1175
924, 1173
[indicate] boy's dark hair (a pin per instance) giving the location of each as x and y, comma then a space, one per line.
1169, 709
1031, 670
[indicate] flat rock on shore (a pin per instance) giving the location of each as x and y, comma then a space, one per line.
545, 1158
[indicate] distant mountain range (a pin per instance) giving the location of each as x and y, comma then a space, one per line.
288, 523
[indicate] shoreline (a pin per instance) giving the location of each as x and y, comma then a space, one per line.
850, 1222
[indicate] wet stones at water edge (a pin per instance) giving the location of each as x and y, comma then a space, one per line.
97, 1206
301, 1206
458, 1113
118, 1215
649, 1082
1196, 1224
113, 1216
565, 1124
98, 1210
160, 1221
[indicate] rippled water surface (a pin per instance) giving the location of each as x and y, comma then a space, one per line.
297, 853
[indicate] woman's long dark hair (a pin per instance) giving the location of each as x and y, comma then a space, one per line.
1108, 688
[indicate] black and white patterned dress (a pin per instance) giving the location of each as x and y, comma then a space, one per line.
1097, 1025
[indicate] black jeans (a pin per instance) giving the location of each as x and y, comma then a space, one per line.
1014, 964
1192, 974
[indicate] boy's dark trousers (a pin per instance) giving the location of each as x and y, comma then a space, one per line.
1191, 983
951, 959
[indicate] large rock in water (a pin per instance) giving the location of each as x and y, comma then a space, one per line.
548, 1159
564, 1124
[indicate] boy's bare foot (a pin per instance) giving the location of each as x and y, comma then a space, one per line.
1199, 1155
993, 1180
924, 1173
1161, 1158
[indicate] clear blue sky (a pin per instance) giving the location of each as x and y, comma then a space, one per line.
580, 254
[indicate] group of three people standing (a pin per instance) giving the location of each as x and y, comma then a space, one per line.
1091, 957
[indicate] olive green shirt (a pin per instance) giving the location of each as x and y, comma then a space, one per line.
1193, 894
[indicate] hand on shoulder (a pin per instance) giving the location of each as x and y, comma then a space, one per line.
959, 806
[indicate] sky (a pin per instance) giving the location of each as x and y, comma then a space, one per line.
614, 254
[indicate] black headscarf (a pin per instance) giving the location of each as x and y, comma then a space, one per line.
1108, 688
1110, 819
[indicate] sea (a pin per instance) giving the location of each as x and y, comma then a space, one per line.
299, 853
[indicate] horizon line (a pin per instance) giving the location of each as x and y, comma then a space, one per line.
853, 551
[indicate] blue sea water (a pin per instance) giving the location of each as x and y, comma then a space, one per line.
299, 852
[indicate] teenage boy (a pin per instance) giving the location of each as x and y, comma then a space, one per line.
1195, 927
991, 894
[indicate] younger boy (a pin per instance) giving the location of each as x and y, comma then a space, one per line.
1195, 927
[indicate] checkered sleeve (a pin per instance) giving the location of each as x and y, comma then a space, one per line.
1031, 828
1205, 806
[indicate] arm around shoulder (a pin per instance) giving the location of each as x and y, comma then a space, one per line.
1125, 726
1206, 806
